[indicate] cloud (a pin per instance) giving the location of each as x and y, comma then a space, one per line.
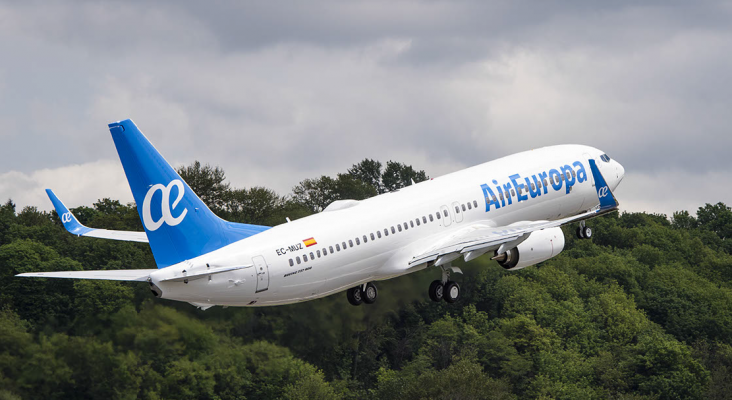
278, 92
76, 185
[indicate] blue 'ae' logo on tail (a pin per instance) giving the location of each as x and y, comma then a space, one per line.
166, 209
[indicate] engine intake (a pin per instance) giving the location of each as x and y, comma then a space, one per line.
540, 246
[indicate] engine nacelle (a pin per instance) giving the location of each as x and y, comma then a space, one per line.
540, 246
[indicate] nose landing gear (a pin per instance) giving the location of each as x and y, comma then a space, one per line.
362, 294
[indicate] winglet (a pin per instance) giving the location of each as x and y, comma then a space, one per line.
604, 194
67, 218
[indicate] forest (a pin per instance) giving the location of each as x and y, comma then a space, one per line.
643, 310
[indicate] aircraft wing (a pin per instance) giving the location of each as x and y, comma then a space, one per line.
139, 275
480, 238
74, 226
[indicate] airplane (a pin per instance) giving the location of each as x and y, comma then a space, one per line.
510, 209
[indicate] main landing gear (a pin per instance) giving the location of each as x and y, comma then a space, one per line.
583, 231
362, 294
445, 288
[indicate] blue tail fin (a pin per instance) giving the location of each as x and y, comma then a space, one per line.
604, 194
178, 224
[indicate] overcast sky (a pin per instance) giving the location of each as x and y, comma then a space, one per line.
276, 92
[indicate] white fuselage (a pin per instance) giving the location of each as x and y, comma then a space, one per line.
278, 268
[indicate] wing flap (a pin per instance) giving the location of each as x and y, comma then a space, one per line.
134, 275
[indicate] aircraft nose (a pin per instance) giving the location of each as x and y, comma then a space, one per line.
621, 172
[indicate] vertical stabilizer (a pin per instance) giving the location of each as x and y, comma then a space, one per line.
178, 224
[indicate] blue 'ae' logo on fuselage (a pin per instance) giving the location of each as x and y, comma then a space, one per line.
534, 189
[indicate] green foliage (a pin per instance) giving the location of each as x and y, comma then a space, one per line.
207, 182
316, 194
642, 311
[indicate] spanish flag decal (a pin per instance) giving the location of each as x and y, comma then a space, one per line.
309, 242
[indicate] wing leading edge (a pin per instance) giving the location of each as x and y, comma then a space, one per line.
478, 239
75, 227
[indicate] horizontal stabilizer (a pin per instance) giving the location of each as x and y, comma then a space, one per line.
139, 275
75, 227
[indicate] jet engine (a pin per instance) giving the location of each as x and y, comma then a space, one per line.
540, 246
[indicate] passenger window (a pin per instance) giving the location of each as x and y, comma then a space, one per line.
533, 187
318, 253
500, 196
365, 239
297, 259
513, 192
411, 223
331, 249
292, 262
545, 184
431, 218
470, 206
392, 230
378, 233
344, 245
338, 247
386, 231
437, 214
399, 227
475, 204
406, 226
463, 206
358, 242
424, 219
457, 209
418, 223
312, 256
305, 257
325, 252
445, 212
372, 236
574, 174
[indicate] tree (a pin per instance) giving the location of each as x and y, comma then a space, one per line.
716, 218
252, 206
207, 182
369, 172
683, 220
317, 194
398, 175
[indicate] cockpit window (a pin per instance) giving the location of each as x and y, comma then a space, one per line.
605, 158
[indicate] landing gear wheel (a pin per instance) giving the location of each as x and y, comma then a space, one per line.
452, 291
437, 290
369, 295
355, 296
579, 233
586, 232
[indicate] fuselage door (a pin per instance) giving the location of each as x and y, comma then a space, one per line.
262, 273
456, 208
446, 220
